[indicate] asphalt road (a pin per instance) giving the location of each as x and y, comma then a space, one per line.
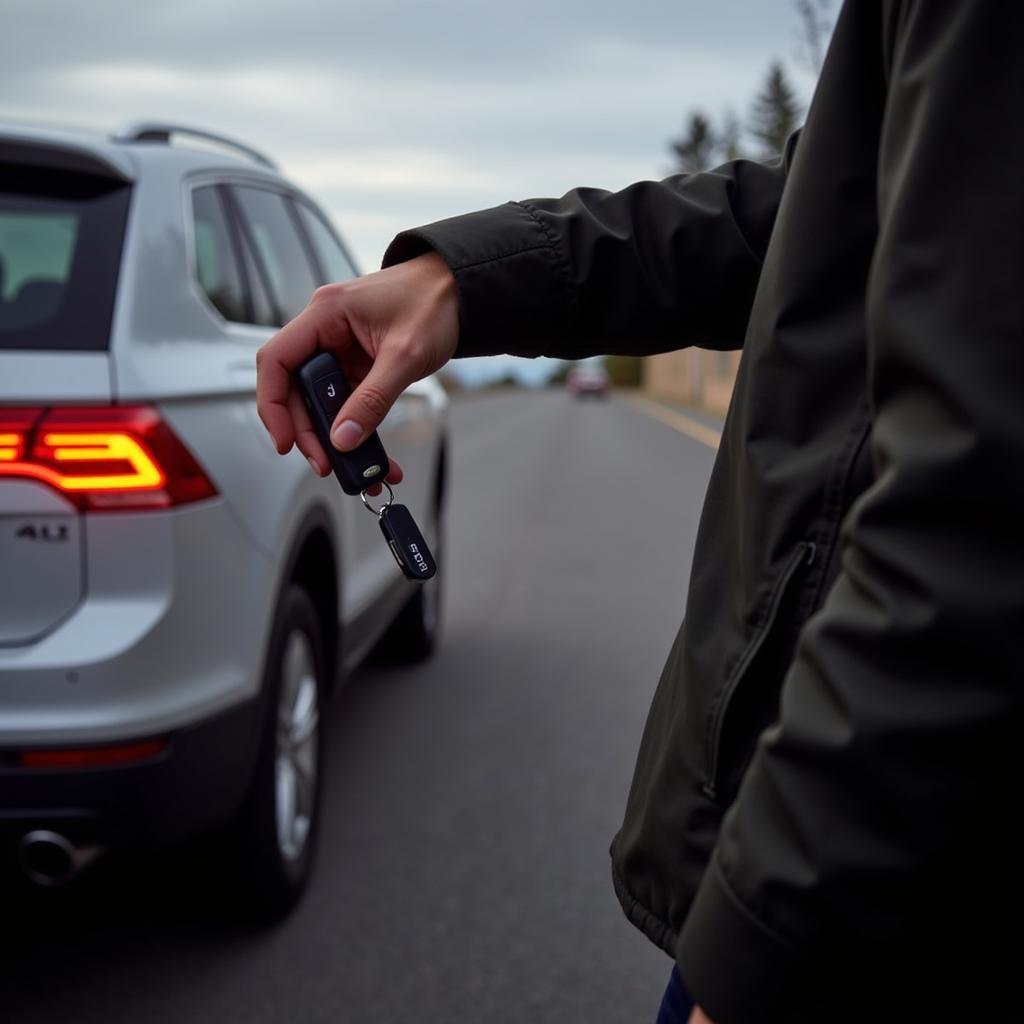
463, 872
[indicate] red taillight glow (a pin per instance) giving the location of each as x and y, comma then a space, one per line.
137, 470
92, 757
114, 458
11, 447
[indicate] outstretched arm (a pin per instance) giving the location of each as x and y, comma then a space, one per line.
652, 268
655, 267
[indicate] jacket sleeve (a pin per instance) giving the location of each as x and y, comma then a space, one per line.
880, 803
652, 268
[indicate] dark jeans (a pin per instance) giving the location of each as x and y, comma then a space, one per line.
676, 1003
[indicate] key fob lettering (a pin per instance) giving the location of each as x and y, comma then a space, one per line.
406, 542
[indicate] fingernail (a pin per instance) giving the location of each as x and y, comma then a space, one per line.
347, 435
313, 465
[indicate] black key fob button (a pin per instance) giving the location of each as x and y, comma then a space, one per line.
331, 391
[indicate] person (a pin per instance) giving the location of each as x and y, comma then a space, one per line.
821, 824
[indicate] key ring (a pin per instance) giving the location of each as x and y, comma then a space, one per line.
378, 512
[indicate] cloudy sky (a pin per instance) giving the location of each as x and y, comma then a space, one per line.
396, 112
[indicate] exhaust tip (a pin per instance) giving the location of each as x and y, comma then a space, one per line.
51, 859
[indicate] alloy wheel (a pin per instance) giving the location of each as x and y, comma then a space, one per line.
298, 718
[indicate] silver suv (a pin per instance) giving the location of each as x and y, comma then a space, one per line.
176, 600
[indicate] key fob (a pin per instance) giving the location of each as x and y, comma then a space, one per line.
406, 542
324, 390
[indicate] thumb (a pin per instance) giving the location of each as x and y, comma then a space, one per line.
369, 403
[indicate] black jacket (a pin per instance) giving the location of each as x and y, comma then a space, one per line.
851, 848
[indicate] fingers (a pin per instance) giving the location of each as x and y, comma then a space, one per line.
407, 320
318, 463
305, 438
369, 403
278, 359
395, 476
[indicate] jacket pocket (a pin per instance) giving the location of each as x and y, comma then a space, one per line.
748, 703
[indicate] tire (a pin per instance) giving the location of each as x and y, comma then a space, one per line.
273, 839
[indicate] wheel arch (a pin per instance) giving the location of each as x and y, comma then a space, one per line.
314, 563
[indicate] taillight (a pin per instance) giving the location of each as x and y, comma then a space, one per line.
102, 458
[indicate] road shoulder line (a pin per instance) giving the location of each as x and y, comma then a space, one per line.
676, 420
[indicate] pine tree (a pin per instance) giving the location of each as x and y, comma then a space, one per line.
776, 111
814, 31
729, 142
695, 150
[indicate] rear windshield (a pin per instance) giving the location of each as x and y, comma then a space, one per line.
61, 234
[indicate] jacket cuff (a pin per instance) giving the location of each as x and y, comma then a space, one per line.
512, 283
736, 968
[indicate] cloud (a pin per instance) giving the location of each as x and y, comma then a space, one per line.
397, 112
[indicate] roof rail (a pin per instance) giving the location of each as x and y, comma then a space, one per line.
157, 131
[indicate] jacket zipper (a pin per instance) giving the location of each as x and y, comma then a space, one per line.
801, 558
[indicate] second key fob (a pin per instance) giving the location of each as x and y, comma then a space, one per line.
324, 390
406, 542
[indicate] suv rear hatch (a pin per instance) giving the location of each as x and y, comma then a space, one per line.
62, 224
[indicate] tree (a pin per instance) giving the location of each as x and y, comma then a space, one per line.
815, 28
561, 374
729, 137
695, 150
775, 112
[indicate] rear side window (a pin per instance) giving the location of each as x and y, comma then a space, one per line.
61, 234
216, 266
263, 312
334, 260
280, 250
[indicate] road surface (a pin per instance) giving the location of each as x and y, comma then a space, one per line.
463, 873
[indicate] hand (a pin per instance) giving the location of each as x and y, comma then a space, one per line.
700, 1017
387, 330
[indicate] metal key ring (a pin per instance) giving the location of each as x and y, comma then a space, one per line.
378, 511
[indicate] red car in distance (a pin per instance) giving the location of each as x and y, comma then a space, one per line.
588, 380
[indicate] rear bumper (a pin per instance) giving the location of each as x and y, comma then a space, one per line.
171, 632
198, 780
